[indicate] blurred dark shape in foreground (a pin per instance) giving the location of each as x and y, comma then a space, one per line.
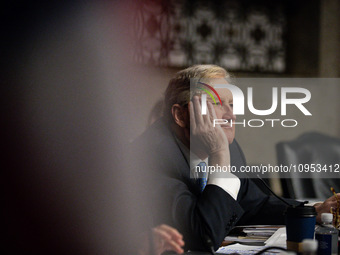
64, 179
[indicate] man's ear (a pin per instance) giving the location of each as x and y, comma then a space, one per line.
180, 115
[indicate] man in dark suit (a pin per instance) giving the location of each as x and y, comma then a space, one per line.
202, 205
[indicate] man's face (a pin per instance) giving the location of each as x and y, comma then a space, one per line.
224, 111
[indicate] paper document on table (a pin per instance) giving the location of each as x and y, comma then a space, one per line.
239, 248
265, 232
252, 235
278, 238
244, 249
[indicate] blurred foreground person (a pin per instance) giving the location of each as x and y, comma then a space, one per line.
65, 179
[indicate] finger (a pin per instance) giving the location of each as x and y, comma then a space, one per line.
165, 241
327, 207
329, 204
172, 245
334, 198
331, 201
197, 110
206, 116
161, 234
212, 113
175, 235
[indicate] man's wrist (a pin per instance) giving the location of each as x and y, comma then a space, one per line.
218, 153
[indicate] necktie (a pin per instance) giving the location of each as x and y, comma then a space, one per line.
202, 175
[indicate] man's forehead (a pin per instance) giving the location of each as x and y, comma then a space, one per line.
217, 81
224, 93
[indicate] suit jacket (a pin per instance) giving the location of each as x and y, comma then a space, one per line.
177, 200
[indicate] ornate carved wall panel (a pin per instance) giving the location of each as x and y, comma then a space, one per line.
239, 35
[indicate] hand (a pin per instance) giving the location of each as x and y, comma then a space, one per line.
204, 136
326, 206
167, 238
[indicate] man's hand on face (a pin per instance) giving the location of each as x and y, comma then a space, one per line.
326, 206
208, 138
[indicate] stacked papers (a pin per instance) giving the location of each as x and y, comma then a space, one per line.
250, 240
255, 235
